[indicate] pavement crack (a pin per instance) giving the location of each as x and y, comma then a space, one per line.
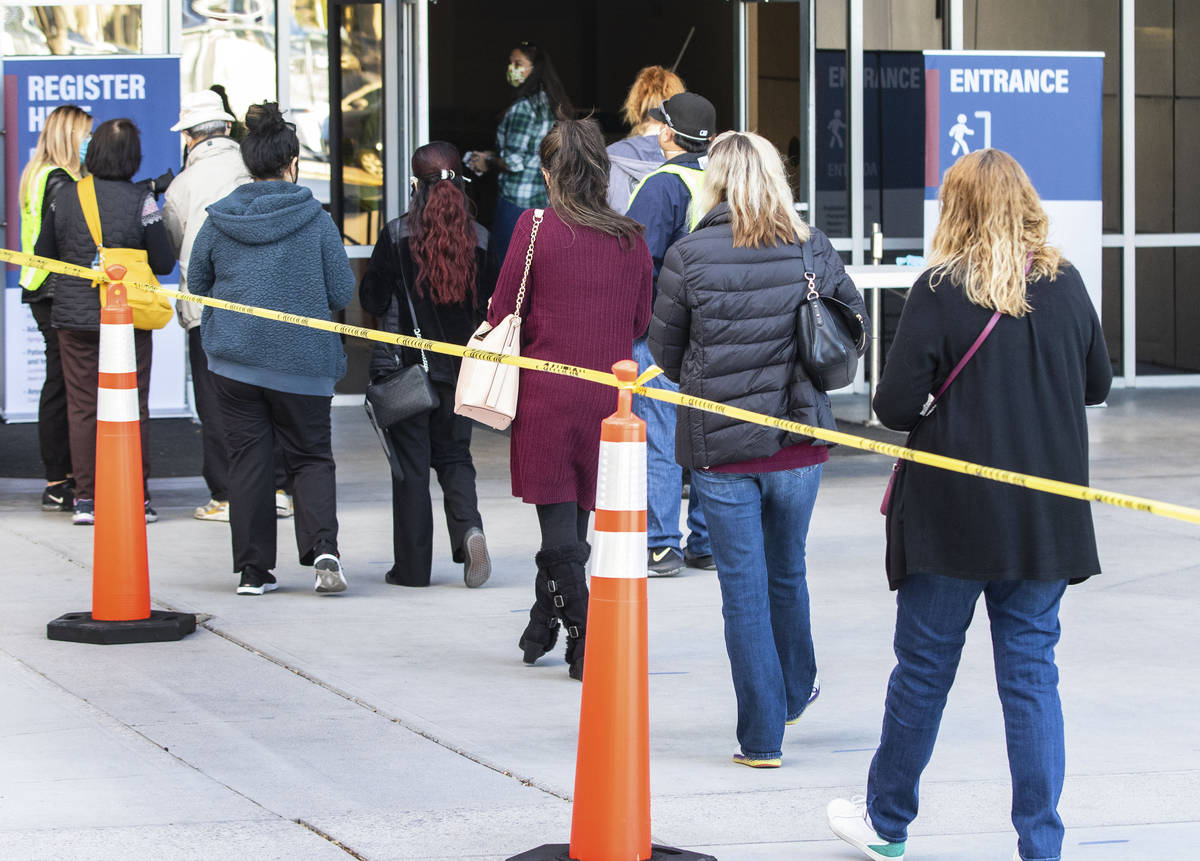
329, 837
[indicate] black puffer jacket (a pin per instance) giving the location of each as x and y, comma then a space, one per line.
724, 328
122, 223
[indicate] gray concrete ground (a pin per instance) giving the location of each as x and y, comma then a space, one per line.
400, 724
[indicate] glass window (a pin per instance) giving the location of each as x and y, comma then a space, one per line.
231, 43
360, 62
308, 66
80, 28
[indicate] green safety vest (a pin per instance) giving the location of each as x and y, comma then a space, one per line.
31, 225
692, 177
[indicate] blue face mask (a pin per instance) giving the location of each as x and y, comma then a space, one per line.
83, 146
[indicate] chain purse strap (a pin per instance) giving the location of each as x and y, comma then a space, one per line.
412, 313
537, 222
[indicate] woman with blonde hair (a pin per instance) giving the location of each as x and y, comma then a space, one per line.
1002, 308
724, 328
56, 162
637, 155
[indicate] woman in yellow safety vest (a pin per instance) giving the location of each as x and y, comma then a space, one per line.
57, 160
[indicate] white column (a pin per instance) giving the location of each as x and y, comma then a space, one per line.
1128, 199
855, 84
956, 24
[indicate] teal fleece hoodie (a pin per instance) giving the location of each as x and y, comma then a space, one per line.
271, 245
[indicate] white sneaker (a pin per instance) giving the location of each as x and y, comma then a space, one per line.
330, 578
283, 504
1016, 855
213, 510
849, 820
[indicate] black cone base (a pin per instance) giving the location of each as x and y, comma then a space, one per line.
561, 852
161, 627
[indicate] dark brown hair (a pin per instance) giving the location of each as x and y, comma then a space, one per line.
573, 154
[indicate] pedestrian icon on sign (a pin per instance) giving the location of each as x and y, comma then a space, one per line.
836, 126
959, 132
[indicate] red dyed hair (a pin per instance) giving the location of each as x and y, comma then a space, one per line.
440, 228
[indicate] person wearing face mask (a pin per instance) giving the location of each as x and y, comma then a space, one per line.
270, 244
539, 100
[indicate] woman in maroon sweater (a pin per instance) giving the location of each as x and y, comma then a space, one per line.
587, 298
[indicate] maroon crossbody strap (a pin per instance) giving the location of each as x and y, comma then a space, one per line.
962, 363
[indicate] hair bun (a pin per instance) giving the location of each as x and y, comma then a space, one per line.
265, 119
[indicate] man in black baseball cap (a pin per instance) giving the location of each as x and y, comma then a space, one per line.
662, 203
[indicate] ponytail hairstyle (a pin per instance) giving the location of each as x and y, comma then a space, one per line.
58, 145
652, 86
441, 232
543, 78
270, 143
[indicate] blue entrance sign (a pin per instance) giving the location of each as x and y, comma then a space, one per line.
1044, 109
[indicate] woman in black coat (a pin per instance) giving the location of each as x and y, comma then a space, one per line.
1018, 404
436, 254
724, 328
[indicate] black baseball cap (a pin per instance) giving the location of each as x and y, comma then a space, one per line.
689, 115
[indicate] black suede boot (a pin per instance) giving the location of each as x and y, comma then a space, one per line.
567, 583
542, 631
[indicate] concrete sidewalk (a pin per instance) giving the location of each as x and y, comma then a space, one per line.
390, 723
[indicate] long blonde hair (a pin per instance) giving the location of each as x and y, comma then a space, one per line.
991, 223
746, 171
652, 86
58, 145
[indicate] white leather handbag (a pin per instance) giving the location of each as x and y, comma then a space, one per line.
487, 390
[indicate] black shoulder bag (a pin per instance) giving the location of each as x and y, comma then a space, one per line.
830, 335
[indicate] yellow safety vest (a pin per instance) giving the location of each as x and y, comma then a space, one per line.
693, 178
31, 225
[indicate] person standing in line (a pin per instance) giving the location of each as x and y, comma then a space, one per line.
952, 538
129, 218
724, 328
637, 155
663, 203
57, 161
213, 167
540, 99
587, 297
270, 244
434, 256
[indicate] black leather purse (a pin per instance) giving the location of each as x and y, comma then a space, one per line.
830, 335
403, 394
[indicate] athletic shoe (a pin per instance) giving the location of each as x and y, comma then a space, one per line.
849, 820
758, 761
816, 692
85, 512
478, 565
255, 582
151, 514
59, 496
213, 510
329, 574
1016, 855
663, 562
704, 562
283, 504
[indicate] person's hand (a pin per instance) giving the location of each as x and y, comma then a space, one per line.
159, 184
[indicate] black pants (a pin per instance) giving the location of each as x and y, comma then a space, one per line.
216, 458
255, 419
562, 523
53, 436
441, 440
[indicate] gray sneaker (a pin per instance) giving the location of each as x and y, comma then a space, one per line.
330, 578
478, 564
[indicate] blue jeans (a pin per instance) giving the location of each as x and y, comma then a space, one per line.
758, 523
504, 222
664, 477
932, 617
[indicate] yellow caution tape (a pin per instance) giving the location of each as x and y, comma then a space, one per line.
1031, 482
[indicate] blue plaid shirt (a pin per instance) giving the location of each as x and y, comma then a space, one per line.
517, 140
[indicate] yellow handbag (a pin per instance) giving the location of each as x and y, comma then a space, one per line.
151, 310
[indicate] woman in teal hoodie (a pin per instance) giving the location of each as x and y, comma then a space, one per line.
271, 245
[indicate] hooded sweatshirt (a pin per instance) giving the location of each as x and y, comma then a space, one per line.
270, 244
631, 159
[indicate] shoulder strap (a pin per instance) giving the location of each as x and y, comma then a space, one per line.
537, 222
91, 211
962, 363
806, 252
412, 313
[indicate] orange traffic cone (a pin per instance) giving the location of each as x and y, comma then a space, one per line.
120, 573
610, 819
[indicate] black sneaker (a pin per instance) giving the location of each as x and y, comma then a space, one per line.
85, 512
151, 514
256, 582
59, 496
704, 562
663, 562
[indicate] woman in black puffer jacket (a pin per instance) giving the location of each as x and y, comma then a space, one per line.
724, 327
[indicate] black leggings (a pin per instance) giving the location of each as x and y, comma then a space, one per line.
562, 523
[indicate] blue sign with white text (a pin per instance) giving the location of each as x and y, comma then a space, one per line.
1043, 109
143, 89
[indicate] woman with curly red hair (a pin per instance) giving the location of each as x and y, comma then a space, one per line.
437, 254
